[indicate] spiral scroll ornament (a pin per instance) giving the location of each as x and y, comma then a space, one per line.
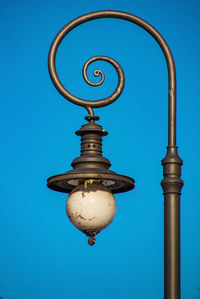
98, 103
89, 105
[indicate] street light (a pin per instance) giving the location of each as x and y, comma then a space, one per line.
91, 205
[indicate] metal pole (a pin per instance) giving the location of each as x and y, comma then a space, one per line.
172, 183
172, 246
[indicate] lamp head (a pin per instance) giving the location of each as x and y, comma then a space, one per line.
91, 205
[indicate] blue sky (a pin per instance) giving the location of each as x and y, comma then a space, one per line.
41, 254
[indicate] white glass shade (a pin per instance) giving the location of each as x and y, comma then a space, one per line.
91, 207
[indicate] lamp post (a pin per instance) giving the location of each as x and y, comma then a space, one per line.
91, 205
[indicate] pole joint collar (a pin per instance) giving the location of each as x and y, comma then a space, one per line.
172, 182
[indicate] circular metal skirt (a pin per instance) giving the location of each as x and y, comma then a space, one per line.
67, 181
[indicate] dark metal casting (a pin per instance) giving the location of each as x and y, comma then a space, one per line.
171, 184
90, 165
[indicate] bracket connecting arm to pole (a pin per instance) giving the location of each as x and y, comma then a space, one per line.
172, 183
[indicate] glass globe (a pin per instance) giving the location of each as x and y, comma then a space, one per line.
91, 207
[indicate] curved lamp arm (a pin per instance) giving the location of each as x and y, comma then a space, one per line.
146, 26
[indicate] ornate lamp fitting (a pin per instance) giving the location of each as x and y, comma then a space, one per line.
91, 165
